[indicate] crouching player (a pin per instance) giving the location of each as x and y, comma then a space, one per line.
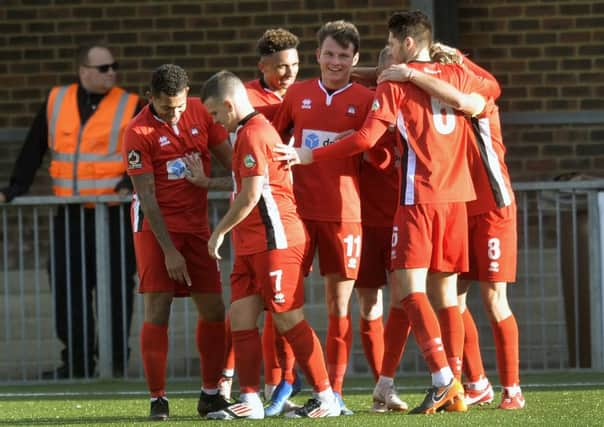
270, 243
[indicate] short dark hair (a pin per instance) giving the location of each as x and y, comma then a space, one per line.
414, 24
170, 79
219, 85
84, 49
275, 40
343, 32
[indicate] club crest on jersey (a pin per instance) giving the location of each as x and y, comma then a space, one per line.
306, 104
376, 105
249, 161
134, 159
194, 131
163, 140
351, 111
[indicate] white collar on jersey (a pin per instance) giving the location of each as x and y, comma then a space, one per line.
328, 96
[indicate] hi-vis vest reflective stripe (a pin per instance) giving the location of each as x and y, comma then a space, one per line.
87, 160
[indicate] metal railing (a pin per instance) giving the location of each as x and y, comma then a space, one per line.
559, 262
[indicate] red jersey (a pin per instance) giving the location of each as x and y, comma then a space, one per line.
262, 98
486, 154
379, 186
434, 168
153, 146
326, 191
274, 222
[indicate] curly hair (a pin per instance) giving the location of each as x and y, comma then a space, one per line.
169, 79
413, 24
343, 32
275, 40
444, 54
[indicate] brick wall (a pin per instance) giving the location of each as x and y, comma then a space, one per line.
548, 55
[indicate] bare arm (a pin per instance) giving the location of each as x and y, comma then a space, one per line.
246, 200
144, 185
472, 104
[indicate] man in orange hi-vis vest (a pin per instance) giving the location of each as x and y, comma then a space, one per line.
81, 124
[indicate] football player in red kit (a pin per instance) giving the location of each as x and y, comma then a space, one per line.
270, 244
315, 111
170, 227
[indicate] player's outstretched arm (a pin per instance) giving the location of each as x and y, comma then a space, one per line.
144, 185
245, 201
472, 104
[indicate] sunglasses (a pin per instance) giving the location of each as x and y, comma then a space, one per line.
105, 67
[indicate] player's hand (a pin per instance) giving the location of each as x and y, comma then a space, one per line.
396, 73
293, 155
177, 267
214, 244
195, 173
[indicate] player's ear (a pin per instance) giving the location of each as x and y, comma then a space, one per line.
318, 53
228, 104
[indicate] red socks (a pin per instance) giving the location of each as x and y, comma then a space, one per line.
272, 368
308, 353
396, 333
229, 354
287, 360
372, 338
154, 352
210, 339
337, 345
424, 325
451, 325
248, 358
506, 349
473, 368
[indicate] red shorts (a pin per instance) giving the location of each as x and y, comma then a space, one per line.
151, 267
375, 257
493, 246
276, 275
339, 246
433, 236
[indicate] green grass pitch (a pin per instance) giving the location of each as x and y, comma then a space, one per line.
562, 399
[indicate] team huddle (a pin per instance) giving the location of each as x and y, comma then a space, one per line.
398, 181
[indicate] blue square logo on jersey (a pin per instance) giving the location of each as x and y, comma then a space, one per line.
312, 141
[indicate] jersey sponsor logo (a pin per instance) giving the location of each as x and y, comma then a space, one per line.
249, 161
134, 159
164, 140
314, 139
375, 106
176, 169
351, 111
306, 104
